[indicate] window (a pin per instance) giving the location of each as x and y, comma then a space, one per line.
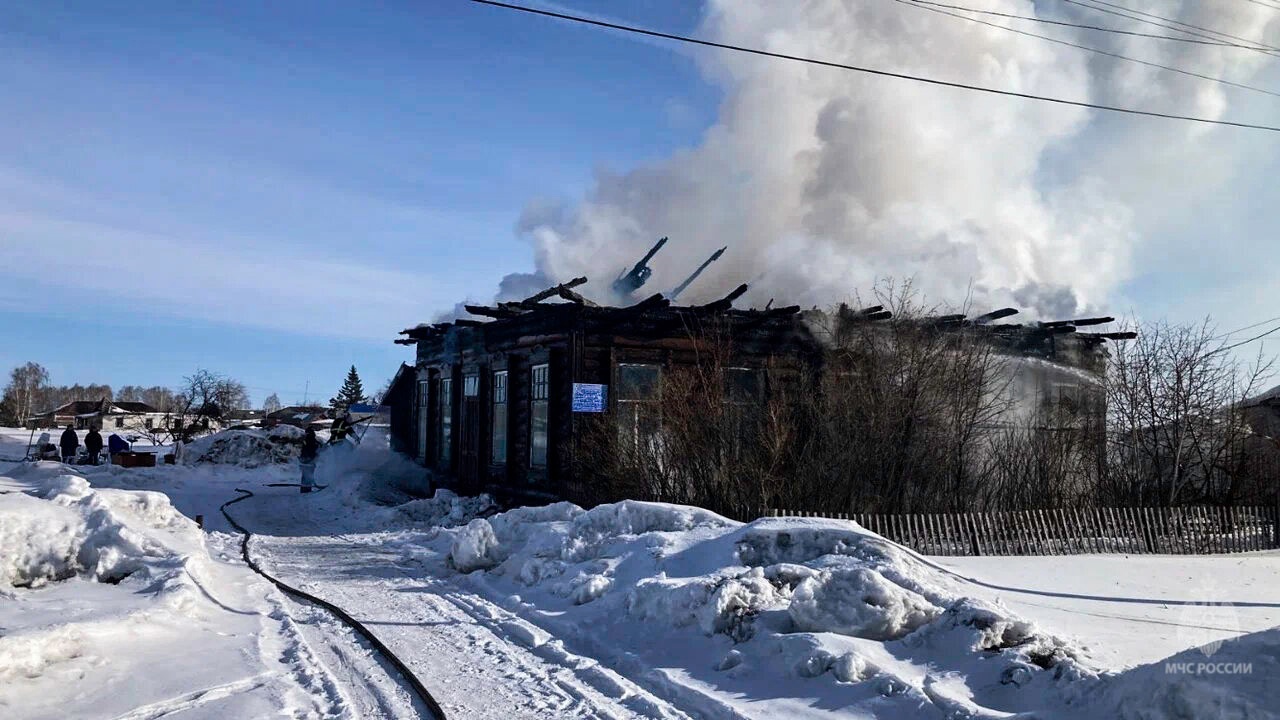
539, 405
471, 386
742, 386
119, 423
742, 397
445, 453
639, 415
424, 405
149, 424
177, 423
499, 417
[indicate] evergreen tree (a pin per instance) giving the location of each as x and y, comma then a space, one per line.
352, 392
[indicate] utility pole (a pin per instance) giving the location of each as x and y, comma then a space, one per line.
305, 392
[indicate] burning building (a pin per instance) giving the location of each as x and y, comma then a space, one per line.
502, 403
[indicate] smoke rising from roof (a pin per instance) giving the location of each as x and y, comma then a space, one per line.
823, 181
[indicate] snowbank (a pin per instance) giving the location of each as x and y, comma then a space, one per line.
770, 600
246, 448
73, 530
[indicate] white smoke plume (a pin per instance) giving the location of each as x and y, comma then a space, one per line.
823, 181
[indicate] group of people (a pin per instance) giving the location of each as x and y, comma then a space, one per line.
93, 444
69, 444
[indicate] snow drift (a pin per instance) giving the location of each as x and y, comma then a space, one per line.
776, 598
246, 448
71, 530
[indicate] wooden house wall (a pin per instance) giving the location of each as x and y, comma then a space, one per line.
579, 345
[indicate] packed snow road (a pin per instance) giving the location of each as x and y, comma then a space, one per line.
479, 660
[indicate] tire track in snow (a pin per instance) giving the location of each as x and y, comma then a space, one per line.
432, 707
489, 663
192, 700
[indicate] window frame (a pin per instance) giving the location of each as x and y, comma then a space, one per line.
631, 410
539, 405
498, 424
422, 401
444, 420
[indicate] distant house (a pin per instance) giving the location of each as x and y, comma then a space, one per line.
298, 416
244, 418
104, 415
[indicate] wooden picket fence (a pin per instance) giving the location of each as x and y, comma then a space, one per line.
1065, 531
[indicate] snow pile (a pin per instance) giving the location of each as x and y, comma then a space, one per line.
860, 602
246, 448
286, 433
445, 509
73, 530
806, 598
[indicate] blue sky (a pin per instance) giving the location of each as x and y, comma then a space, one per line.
273, 192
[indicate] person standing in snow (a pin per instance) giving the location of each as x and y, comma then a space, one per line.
340, 429
93, 444
307, 460
69, 443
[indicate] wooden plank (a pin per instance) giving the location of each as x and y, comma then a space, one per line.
989, 524
1179, 520
1046, 532
1130, 531
1104, 530
1051, 532
1081, 519
1229, 511
975, 546
944, 521
1052, 519
1038, 540
1057, 523
957, 541
1066, 522
1203, 540
1157, 529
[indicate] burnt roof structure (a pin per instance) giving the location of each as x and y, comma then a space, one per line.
496, 402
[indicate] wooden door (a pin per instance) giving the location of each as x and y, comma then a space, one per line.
469, 451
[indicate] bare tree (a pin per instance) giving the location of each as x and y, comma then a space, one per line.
1176, 417
27, 384
210, 395
271, 404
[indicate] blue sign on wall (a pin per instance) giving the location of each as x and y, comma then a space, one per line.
589, 397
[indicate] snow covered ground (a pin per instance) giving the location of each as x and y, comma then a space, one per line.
626, 610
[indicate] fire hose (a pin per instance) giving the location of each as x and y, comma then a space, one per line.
419, 689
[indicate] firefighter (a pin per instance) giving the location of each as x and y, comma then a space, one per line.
340, 429
307, 460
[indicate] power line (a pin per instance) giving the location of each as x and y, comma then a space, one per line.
1086, 48
870, 71
1253, 45
1263, 4
1081, 26
1248, 327
1252, 339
